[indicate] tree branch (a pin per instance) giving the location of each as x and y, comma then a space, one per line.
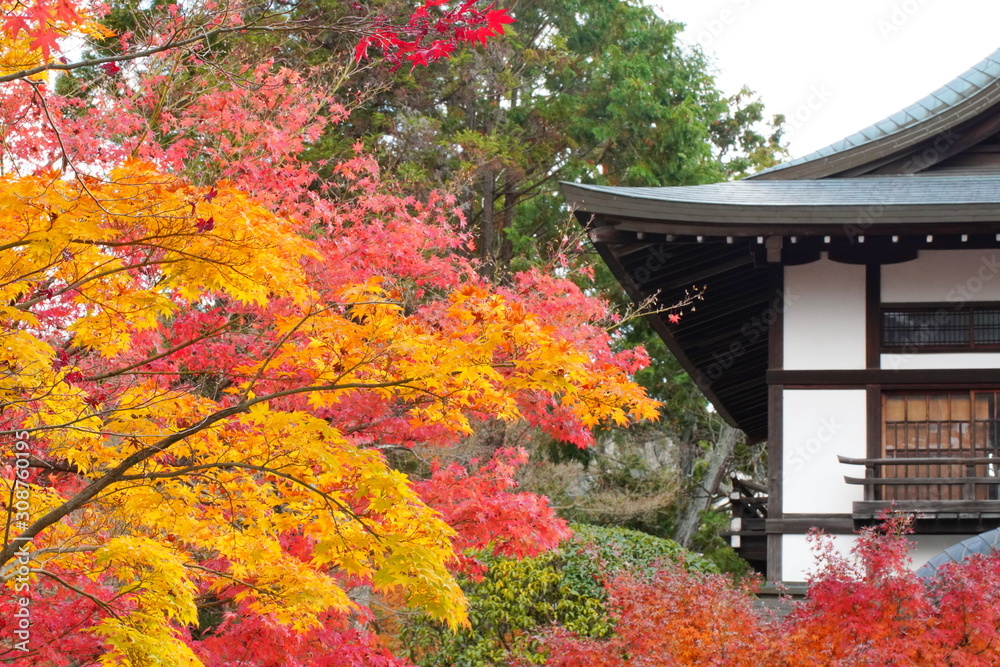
116, 474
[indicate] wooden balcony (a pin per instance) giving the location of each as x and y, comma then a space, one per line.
747, 534
959, 492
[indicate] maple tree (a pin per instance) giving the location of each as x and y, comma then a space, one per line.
431, 32
600, 91
865, 606
206, 349
478, 505
593, 91
419, 41
673, 617
870, 607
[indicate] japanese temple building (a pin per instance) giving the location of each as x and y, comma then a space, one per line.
851, 318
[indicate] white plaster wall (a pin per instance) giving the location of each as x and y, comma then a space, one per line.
824, 316
925, 360
952, 276
819, 424
798, 561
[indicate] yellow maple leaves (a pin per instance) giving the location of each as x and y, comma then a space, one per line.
161, 475
162, 590
92, 238
31, 30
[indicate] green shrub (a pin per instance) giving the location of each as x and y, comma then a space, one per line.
517, 598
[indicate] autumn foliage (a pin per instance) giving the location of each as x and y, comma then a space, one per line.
426, 38
518, 598
867, 607
873, 609
672, 617
208, 347
482, 505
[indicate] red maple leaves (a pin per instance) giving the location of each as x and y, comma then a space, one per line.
43, 22
866, 608
495, 21
253, 136
430, 36
484, 508
111, 69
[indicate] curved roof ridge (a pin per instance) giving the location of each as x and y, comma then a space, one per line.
946, 201
967, 85
887, 189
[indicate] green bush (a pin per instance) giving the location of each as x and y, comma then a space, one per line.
707, 541
517, 598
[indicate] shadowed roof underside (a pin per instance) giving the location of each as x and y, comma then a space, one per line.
926, 177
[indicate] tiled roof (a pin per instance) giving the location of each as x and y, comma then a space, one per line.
980, 78
881, 190
809, 206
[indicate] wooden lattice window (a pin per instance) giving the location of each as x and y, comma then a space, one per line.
943, 327
952, 425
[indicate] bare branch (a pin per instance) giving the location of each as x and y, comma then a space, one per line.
82, 593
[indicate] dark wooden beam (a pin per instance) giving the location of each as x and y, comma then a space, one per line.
887, 378
920, 460
919, 481
775, 479
800, 524
926, 508
873, 414
873, 324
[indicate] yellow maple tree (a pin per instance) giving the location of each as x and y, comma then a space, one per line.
152, 475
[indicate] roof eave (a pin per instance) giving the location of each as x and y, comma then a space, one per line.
637, 214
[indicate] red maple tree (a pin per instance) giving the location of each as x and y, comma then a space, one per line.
175, 152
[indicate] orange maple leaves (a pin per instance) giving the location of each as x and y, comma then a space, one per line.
207, 373
866, 609
158, 362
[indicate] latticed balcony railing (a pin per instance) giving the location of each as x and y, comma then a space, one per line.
929, 486
940, 452
919, 478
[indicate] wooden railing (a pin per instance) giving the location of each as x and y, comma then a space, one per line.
958, 482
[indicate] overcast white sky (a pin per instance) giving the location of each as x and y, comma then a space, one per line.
833, 67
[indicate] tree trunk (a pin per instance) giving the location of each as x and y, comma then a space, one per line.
506, 251
487, 229
708, 487
510, 181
